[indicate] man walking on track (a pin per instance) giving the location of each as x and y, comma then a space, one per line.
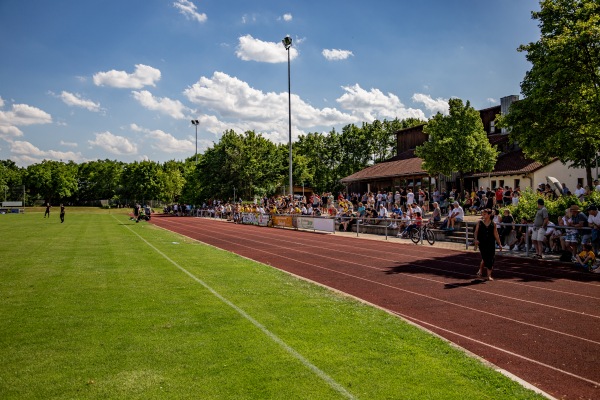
486, 236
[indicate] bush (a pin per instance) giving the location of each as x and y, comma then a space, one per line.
527, 206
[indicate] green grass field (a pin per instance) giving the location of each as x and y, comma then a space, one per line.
101, 307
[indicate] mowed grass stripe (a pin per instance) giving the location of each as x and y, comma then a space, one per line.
336, 386
90, 311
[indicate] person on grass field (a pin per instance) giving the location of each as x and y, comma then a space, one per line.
47, 212
62, 213
486, 236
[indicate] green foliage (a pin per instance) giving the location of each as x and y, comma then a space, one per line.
124, 322
248, 164
562, 89
52, 180
527, 206
457, 143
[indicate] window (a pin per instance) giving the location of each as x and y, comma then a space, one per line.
493, 183
517, 183
580, 181
501, 183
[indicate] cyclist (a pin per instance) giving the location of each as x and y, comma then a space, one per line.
418, 221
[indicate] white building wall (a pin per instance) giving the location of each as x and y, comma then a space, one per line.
558, 170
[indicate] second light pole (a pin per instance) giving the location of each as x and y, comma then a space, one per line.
287, 43
195, 122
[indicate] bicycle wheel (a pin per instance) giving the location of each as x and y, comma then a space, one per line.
415, 235
430, 237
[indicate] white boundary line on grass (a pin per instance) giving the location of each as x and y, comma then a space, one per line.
321, 374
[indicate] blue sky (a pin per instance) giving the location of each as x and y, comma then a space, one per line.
115, 79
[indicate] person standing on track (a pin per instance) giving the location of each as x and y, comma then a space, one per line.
486, 236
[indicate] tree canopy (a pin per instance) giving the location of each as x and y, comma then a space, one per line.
560, 114
457, 142
248, 164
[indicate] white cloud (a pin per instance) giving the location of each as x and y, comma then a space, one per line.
25, 153
143, 75
20, 115
491, 100
374, 104
165, 141
251, 49
287, 17
432, 105
188, 9
172, 108
114, 144
68, 144
336, 54
71, 99
241, 107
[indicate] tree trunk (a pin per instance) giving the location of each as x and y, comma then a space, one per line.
588, 174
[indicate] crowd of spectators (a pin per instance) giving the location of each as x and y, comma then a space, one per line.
402, 209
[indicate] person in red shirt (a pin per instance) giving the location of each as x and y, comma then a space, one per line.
499, 195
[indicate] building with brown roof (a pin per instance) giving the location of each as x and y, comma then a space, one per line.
512, 168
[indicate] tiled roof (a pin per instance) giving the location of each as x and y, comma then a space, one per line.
404, 164
514, 162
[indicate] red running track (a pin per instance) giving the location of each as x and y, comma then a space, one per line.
537, 320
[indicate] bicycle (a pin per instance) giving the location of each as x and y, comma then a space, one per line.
421, 233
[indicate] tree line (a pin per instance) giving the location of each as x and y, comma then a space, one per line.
244, 165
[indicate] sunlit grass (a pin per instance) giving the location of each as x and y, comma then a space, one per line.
90, 310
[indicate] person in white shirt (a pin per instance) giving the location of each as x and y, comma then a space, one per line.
383, 212
458, 215
579, 192
594, 224
410, 197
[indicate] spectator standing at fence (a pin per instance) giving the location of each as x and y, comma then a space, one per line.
410, 197
486, 236
506, 231
578, 220
436, 215
594, 224
62, 213
540, 223
47, 212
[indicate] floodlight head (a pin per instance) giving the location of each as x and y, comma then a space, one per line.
287, 42
195, 122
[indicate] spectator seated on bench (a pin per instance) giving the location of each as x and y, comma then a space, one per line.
457, 215
475, 206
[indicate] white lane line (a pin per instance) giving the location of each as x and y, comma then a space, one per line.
403, 290
499, 349
416, 277
427, 254
448, 302
320, 373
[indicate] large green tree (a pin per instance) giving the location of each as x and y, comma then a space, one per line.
143, 181
10, 178
247, 163
560, 114
99, 180
52, 180
457, 143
